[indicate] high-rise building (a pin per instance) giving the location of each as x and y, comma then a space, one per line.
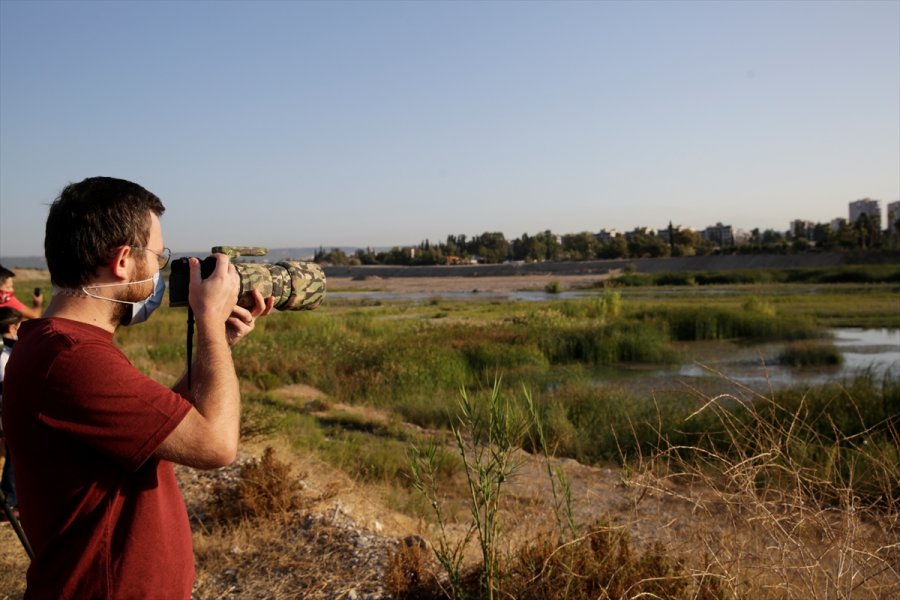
718, 234
866, 206
893, 215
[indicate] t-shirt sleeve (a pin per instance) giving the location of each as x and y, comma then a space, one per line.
98, 397
15, 303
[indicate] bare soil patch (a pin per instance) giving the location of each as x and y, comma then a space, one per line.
488, 284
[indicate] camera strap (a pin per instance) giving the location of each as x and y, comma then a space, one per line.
17, 526
190, 343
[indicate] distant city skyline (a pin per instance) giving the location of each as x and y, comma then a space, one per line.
383, 123
739, 232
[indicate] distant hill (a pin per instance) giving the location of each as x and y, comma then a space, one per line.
274, 255
23, 262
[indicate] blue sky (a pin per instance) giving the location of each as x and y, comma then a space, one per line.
386, 123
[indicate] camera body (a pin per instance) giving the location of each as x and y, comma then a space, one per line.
295, 285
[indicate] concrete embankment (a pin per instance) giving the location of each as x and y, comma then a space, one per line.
599, 267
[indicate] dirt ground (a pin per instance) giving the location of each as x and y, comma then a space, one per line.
486, 284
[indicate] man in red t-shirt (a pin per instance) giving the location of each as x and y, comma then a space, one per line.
92, 438
8, 297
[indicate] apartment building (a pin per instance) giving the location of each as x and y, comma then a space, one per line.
606, 235
719, 234
866, 206
893, 215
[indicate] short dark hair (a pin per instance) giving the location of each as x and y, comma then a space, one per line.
5, 273
89, 220
9, 316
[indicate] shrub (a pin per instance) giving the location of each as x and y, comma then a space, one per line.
603, 564
810, 354
263, 487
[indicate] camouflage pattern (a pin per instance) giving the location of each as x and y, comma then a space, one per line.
307, 287
294, 285
236, 251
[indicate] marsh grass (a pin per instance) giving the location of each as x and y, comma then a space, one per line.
553, 287
812, 479
556, 563
810, 354
873, 273
755, 321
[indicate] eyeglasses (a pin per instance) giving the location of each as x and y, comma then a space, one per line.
161, 257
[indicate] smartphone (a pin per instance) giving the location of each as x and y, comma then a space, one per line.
37, 291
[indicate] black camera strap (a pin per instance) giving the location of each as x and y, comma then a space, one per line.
14, 521
190, 343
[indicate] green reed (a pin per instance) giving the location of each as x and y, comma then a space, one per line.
811, 354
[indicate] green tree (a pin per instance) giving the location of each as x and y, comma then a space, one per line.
492, 247
824, 236
335, 256
614, 248
868, 232
643, 244
580, 246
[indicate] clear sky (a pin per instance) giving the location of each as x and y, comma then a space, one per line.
386, 123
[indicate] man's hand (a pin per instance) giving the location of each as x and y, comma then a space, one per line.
212, 299
242, 321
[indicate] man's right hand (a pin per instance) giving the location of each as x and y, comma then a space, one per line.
208, 435
212, 299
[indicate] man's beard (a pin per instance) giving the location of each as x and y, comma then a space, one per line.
132, 293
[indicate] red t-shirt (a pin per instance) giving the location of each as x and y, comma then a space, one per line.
104, 517
7, 299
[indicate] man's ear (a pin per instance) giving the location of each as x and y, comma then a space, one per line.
118, 264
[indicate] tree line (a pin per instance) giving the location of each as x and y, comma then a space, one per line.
493, 247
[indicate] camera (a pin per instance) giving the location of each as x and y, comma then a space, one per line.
295, 285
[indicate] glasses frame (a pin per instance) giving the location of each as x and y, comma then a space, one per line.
162, 257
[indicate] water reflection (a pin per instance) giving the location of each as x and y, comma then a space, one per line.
873, 351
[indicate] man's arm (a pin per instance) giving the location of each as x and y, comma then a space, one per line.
29, 312
207, 437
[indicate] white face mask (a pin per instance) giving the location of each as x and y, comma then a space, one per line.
140, 310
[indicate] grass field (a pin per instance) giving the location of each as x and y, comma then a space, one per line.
386, 377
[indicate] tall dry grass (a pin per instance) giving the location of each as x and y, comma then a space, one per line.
809, 514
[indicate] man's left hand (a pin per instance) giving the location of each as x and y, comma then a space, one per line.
242, 321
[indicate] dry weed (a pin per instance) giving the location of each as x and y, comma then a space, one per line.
604, 564
798, 529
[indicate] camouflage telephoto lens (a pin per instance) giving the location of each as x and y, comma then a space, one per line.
295, 285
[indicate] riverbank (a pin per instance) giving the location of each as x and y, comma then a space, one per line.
600, 267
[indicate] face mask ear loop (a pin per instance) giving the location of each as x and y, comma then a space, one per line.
190, 343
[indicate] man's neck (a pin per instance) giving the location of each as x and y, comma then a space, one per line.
80, 307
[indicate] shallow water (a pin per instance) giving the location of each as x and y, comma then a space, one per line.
872, 351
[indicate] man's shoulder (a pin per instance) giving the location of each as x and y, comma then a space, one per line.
66, 328
55, 336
